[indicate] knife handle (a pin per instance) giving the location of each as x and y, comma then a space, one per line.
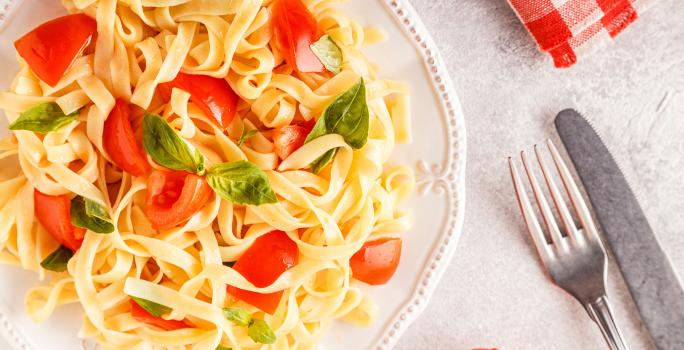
601, 312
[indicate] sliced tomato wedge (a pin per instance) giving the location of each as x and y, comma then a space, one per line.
294, 30
54, 213
174, 196
50, 48
144, 316
120, 142
262, 263
376, 262
288, 139
212, 95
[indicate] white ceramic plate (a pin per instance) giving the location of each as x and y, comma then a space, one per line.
437, 151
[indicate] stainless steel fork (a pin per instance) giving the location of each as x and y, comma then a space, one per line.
574, 256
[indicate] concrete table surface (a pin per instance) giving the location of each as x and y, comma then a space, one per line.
495, 293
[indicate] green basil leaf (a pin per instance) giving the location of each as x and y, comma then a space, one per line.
238, 316
257, 329
317, 131
348, 116
221, 347
88, 214
328, 53
241, 182
156, 310
57, 260
323, 160
168, 149
246, 135
43, 118
261, 332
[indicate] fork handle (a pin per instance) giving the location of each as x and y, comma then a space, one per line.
601, 312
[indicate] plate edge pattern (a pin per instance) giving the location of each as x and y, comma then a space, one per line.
9, 332
452, 177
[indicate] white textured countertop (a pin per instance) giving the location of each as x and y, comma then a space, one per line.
495, 293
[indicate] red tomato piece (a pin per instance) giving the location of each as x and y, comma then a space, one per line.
174, 196
120, 143
142, 315
50, 48
288, 139
376, 261
262, 263
54, 213
213, 96
294, 30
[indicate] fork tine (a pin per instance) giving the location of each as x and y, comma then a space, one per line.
543, 205
528, 214
573, 192
562, 208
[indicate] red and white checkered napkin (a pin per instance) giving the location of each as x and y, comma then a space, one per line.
570, 28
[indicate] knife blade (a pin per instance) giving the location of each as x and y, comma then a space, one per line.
647, 271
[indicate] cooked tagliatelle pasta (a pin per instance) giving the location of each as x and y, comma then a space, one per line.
203, 174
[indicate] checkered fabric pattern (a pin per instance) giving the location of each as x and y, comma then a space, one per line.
567, 29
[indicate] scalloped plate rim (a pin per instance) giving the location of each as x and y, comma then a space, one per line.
453, 176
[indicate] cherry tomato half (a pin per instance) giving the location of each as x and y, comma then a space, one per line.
141, 315
376, 261
120, 143
54, 213
288, 139
294, 30
174, 196
212, 95
262, 263
50, 48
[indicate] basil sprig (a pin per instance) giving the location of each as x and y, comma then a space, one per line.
260, 332
241, 182
347, 116
257, 329
168, 149
156, 310
57, 260
238, 316
221, 347
90, 215
43, 118
328, 53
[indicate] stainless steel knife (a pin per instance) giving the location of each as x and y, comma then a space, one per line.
654, 285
